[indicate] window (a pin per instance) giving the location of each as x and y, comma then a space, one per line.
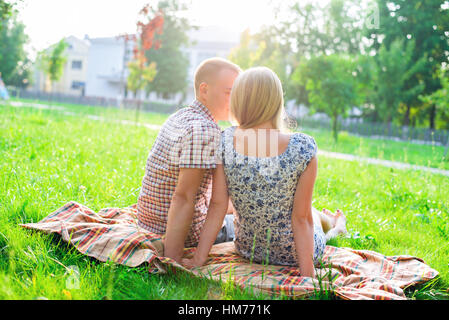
77, 64
76, 85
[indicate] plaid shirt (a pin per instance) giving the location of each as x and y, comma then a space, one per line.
188, 139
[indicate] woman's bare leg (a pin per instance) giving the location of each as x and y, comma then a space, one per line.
230, 207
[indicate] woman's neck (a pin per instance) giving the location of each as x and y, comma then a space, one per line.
265, 125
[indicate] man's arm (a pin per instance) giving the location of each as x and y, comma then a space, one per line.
180, 213
216, 213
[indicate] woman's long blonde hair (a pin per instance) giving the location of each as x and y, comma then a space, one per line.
257, 97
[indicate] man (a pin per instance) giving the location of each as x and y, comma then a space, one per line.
176, 188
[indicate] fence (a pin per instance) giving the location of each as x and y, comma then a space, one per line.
373, 130
380, 130
93, 101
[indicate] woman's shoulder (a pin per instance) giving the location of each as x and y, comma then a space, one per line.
228, 130
305, 147
227, 133
304, 139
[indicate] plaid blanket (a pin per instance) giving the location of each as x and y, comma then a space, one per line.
113, 234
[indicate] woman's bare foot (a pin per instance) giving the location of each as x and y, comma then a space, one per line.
340, 224
331, 217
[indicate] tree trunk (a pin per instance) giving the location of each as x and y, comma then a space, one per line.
138, 108
406, 121
51, 94
446, 152
335, 128
432, 115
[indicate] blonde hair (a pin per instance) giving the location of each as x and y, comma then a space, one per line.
209, 68
257, 97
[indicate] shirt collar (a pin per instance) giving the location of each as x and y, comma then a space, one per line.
203, 109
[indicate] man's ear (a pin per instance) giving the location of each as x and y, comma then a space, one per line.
204, 88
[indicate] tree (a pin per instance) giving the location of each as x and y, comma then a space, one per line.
394, 67
261, 49
138, 78
425, 22
142, 71
246, 54
331, 85
6, 11
172, 62
440, 99
312, 28
309, 28
14, 63
52, 61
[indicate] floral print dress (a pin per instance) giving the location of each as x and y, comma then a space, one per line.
262, 191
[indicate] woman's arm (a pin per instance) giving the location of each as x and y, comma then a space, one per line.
214, 220
302, 219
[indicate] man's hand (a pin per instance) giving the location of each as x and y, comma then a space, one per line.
191, 263
181, 211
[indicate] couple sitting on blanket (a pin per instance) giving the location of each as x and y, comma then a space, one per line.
196, 175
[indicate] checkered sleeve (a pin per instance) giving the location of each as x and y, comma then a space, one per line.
199, 146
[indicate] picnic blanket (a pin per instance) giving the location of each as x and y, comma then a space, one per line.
113, 234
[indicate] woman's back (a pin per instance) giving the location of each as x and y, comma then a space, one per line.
262, 191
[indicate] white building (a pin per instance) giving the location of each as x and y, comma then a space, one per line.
96, 67
73, 80
107, 73
108, 57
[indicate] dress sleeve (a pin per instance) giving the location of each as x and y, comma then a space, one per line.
310, 150
307, 149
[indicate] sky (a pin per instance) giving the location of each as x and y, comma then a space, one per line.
48, 21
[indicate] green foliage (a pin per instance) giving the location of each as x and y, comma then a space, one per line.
312, 28
331, 84
371, 32
6, 11
261, 49
14, 64
440, 98
52, 61
172, 63
139, 77
245, 55
427, 23
394, 67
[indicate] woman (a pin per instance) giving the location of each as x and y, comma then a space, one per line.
269, 176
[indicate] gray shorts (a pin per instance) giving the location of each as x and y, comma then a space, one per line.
226, 233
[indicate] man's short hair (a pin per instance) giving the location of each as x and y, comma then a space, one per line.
211, 67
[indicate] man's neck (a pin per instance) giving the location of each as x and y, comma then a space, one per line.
212, 112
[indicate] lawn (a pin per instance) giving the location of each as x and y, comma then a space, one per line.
49, 158
417, 154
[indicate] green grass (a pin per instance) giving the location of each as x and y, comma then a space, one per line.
412, 153
49, 159
423, 155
